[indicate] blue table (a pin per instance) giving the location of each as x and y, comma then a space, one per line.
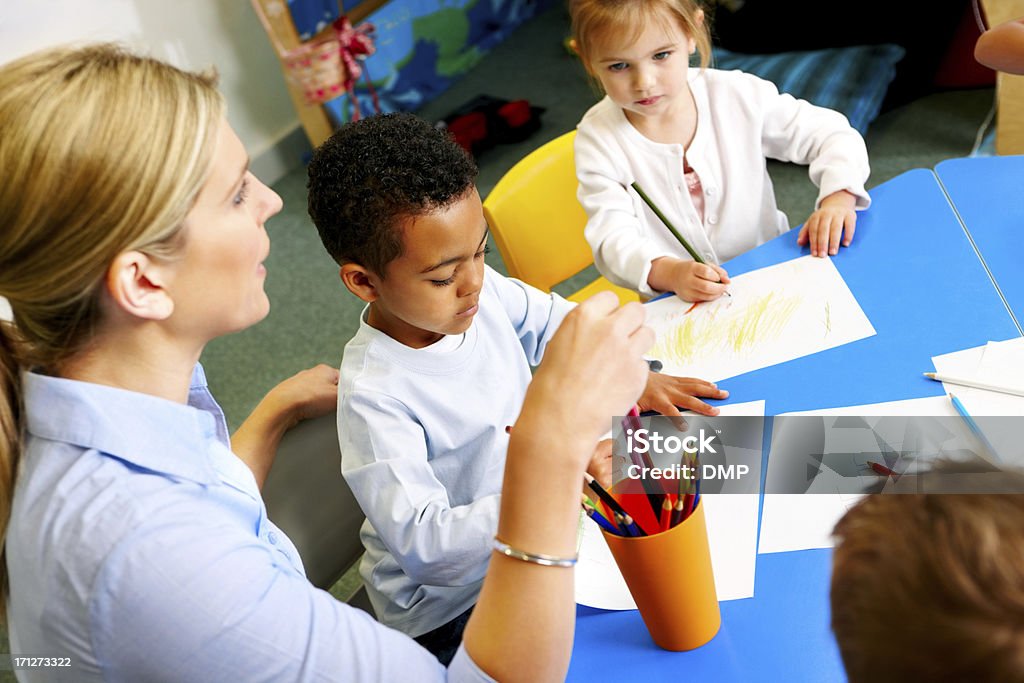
918, 279
988, 194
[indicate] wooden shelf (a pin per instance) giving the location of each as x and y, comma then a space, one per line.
313, 117
1009, 87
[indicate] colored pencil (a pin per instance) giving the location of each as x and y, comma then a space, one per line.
654, 496
968, 382
631, 527
688, 504
605, 497
879, 468
671, 228
666, 514
678, 510
602, 522
974, 427
684, 483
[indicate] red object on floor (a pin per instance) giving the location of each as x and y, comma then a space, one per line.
515, 113
468, 129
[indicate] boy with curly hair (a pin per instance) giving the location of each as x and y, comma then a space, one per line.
437, 370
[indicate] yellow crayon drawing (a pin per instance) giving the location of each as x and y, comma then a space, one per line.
775, 314
725, 328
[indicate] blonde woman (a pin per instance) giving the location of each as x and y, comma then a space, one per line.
137, 545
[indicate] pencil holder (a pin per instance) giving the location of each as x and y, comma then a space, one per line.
669, 575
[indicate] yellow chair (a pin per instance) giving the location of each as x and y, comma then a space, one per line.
538, 224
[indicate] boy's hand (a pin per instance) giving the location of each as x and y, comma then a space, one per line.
664, 392
690, 280
600, 467
824, 229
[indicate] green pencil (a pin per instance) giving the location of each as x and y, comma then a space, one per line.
671, 228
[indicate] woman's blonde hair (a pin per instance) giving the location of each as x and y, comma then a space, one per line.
102, 151
592, 19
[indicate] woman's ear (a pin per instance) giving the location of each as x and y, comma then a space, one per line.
360, 281
136, 285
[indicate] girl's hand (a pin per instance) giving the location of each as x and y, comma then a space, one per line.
699, 281
825, 228
690, 280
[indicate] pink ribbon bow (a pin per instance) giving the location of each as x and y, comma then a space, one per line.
355, 45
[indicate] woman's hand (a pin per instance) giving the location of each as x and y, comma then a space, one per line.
592, 370
304, 395
307, 394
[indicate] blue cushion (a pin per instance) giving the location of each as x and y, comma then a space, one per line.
851, 80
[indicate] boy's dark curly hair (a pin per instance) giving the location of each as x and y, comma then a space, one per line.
376, 171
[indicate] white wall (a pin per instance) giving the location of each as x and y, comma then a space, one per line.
191, 34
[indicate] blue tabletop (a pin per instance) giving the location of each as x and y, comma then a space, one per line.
987, 193
922, 286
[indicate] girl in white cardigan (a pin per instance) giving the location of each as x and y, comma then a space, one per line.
695, 141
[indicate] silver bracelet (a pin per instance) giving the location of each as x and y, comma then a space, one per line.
543, 560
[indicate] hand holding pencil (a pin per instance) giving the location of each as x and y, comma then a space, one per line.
593, 368
690, 280
594, 362
695, 280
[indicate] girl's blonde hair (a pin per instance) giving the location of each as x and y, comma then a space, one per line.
102, 151
594, 18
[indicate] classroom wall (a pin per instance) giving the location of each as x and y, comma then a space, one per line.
192, 34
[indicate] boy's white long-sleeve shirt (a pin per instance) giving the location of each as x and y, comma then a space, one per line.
423, 447
742, 120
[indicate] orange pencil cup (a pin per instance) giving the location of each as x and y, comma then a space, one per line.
669, 575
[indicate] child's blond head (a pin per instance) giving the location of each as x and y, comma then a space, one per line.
595, 20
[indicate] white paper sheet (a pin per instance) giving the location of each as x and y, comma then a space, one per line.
804, 521
732, 538
775, 314
998, 362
